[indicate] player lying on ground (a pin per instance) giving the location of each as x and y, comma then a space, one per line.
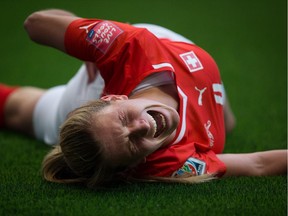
150, 105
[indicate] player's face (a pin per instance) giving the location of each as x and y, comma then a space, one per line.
131, 129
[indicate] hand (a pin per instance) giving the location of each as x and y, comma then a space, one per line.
92, 71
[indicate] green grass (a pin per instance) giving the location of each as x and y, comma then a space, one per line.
248, 41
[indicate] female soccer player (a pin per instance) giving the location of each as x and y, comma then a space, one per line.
162, 112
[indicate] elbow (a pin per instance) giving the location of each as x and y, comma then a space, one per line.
31, 24
259, 165
259, 170
254, 165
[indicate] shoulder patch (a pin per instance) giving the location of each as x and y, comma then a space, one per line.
103, 34
191, 166
192, 62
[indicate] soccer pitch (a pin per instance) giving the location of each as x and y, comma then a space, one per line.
248, 40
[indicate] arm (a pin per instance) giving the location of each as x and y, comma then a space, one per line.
48, 27
255, 164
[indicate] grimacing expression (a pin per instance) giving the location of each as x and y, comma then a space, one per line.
131, 129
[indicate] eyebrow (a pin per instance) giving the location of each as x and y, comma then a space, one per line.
122, 118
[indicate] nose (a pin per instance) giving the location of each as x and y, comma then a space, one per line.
139, 128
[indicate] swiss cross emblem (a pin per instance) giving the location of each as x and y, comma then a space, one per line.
191, 61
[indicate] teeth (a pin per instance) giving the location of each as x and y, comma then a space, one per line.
163, 120
154, 124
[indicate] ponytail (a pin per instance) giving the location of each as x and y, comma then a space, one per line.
55, 168
78, 157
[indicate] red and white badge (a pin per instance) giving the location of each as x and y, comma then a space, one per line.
103, 34
191, 61
192, 167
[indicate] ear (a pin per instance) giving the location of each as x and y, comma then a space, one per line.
114, 97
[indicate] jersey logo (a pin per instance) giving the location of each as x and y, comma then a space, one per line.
191, 61
209, 134
192, 167
219, 93
86, 28
201, 91
103, 34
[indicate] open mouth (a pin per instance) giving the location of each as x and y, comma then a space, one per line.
159, 122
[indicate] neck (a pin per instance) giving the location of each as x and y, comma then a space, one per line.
166, 94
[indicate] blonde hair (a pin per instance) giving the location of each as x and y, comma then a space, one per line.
79, 157
188, 179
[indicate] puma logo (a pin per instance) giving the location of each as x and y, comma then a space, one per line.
88, 26
201, 91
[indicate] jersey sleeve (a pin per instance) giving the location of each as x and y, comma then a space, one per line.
91, 39
123, 53
201, 163
180, 160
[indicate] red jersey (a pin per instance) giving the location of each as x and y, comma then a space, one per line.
126, 55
